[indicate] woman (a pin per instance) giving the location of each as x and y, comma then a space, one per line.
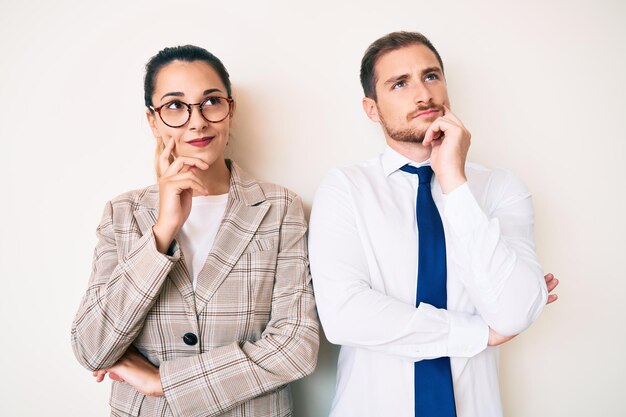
200, 302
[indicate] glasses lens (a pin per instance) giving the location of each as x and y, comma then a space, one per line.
215, 108
174, 113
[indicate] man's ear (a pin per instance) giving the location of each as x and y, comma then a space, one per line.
370, 108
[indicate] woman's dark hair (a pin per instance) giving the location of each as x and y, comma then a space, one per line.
388, 43
187, 53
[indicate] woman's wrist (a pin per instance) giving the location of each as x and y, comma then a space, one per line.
157, 389
162, 238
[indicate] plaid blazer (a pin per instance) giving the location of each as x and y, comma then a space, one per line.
253, 310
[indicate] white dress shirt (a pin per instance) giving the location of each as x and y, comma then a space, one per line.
363, 252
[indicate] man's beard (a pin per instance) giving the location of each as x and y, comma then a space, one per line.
404, 135
407, 135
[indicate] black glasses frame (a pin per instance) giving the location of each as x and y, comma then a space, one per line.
189, 110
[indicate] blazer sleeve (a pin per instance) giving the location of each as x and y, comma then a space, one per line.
212, 382
121, 290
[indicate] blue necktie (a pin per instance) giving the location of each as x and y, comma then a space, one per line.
434, 395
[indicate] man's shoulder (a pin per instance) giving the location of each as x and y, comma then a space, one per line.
360, 170
475, 170
496, 182
344, 182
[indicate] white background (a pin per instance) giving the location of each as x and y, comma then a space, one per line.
540, 84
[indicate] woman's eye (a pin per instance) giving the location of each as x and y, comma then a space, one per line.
212, 101
398, 84
174, 105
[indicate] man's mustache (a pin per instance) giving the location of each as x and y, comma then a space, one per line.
421, 109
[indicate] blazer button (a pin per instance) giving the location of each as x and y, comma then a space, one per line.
190, 339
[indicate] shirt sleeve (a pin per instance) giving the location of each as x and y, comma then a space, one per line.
354, 314
493, 245
120, 293
212, 382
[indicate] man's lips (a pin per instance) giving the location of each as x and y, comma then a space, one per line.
425, 113
199, 142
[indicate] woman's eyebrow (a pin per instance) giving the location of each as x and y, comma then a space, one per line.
173, 93
211, 90
181, 94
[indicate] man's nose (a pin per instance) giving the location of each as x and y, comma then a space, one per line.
422, 94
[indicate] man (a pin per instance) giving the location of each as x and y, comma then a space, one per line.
420, 279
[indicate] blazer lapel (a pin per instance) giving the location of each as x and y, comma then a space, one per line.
146, 216
245, 211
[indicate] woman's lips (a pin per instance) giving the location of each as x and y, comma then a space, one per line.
201, 142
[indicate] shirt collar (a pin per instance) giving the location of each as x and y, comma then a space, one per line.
393, 161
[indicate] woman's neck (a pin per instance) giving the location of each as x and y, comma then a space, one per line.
216, 179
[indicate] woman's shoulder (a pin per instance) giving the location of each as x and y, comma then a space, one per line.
275, 191
141, 197
250, 188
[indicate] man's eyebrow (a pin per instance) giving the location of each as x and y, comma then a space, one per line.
396, 78
432, 69
401, 77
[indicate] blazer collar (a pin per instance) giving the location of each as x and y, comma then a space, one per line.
246, 209
243, 187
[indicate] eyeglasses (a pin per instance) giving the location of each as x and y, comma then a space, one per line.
177, 113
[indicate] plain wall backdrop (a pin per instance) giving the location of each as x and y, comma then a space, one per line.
540, 84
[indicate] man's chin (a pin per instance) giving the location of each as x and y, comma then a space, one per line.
407, 136
412, 134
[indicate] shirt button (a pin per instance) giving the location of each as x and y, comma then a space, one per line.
190, 339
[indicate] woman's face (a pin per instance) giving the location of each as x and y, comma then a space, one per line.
190, 82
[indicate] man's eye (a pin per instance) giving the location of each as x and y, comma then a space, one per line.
431, 77
398, 84
174, 105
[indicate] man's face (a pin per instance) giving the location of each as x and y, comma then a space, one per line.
411, 92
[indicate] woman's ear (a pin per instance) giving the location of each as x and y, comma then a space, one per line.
151, 116
232, 113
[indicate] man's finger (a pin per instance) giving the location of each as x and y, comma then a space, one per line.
552, 298
551, 281
552, 284
433, 132
437, 130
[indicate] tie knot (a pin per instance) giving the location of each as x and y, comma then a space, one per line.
425, 172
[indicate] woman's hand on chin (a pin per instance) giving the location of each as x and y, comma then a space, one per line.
177, 185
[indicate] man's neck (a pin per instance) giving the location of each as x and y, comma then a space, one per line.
414, 151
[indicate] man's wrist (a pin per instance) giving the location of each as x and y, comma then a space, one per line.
449, 183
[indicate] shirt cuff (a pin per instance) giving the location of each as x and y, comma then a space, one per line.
462, 211
468, 335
